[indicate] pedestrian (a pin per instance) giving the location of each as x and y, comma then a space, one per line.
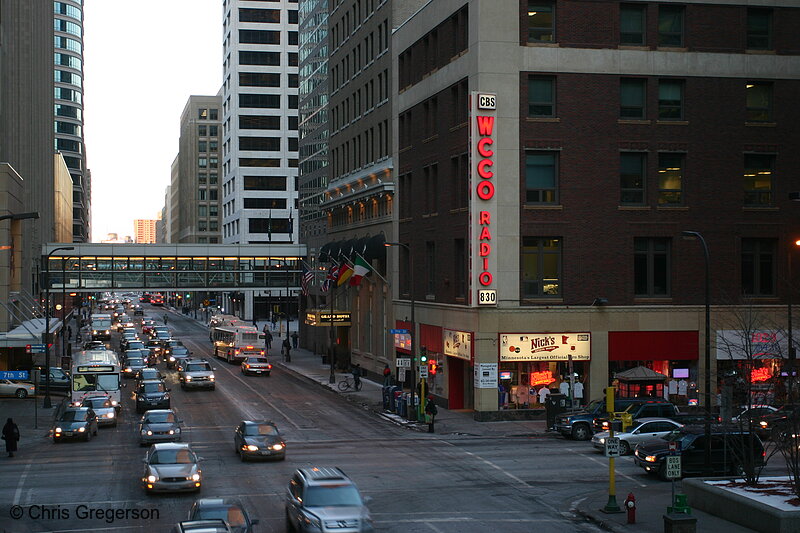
11, 436
268, 337
165, 319
387, 375
286, 350
274, 320
295, 339
431, 411
69, 332
357, 376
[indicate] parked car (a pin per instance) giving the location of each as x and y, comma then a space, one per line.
104, 408
772, 425
256, 365
319, 496
159, 425
259, 439
577, 423
171, 467
151, 394
648, 407
20, 389
59, 380
231, 510
196, 373
643, 431
75, 422
754, 412
730, 450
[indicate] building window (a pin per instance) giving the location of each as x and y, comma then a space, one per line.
632, 24
759, 102
651, 266
632, 178
430, 255
202, 146
670, 100
202, 210
201, 194
759, 29
202, 162
541, 267
541, 96
758, 179
670, 179
632, 96
213, 114
541, 22
758, 267
670, 25
541, 171
460, 269
202, 114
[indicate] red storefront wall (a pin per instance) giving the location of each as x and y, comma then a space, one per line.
653, 345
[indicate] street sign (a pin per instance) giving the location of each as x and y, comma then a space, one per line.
673, 466
398, 331
403, 362
14, 374
423, 371
612, 446
34, 348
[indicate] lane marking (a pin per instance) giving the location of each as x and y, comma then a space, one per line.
21, 482
598, 461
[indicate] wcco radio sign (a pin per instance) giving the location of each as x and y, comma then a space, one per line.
482, 177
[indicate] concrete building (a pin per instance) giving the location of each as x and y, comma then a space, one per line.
259, 110
194, 191
144, 231
549, 156
68, 76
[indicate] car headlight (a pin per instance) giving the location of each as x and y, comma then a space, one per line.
650, 458
149, 432
114, 403
152, 479
277, 447
58, 430
188, 378
763, 423
172, 359
251, 448
81, 429
211, 377
127, 370
110, 415
195, 477
171, 431
312, 521
602, 441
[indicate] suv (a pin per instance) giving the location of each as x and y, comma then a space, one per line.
151, 394
196, 373
577, 424
730, 449
325, 499
646, 409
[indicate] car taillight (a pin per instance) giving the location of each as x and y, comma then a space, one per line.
269, 367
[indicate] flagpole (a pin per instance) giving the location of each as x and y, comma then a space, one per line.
374, 270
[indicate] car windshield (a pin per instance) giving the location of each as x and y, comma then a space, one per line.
159, 418
96, 403
179, 350
332, 496
678, 435
233, 515
74, 416
173, 457
153, 387
257, 360
252, 430
197, 367
594, 405
135, 361
135, 345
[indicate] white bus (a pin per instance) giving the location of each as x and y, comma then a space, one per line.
96, 371
236, 343
101, 326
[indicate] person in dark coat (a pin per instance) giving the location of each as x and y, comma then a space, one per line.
295, 339
287, 347
11, 436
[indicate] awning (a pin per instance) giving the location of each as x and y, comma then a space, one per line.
640, 373
29, 332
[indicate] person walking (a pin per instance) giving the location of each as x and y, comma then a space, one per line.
11, 436
69, 332
268, 337
431, 411
387, 375
165, 319
287, 347
295, 339
357, 376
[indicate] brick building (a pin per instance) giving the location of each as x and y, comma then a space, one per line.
552, 154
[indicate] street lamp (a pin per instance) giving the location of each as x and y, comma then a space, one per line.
47, 404
790, 366
707, 381
413, 324
64, 260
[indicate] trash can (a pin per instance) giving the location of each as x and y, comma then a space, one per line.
394, 399
555, 404
411, 408
386, 393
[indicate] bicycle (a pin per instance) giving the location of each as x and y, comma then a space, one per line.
347, 383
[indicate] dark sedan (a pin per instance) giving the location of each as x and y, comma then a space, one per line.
259, 439
152, 394
159, 425
75, 422
178, 353
132, 366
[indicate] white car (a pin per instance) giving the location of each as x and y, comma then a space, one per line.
643, 430
18, 389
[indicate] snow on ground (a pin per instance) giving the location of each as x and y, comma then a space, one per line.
773, 491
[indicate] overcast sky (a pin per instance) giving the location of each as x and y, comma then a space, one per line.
142, 61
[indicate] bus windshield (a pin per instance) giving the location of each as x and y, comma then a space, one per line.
95, 382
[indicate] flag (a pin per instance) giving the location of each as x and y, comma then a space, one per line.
360, 270
333, 273
307, 278
345, 271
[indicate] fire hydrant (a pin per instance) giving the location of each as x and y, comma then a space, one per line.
630, 506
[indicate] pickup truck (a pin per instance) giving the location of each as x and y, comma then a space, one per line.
647, 408
578, 423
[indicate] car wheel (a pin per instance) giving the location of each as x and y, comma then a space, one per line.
624, 448
21, 393
581, 432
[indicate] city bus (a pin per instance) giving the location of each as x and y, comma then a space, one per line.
236, 343
96, 371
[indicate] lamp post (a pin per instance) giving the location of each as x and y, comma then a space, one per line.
47, 404
413, 325
790, 365
63, 302
707, 380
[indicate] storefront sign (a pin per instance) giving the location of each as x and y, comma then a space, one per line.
486, 376
545, 346
760, 374
402, 342
541, 378
741, 345
323, 318
483, 170
457, 343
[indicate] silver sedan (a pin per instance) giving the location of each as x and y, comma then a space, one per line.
643, 430
171, 467
12, 388
159, 425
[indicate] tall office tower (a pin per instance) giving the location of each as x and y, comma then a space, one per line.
313, 93
259, 188
68, 77
144, 231
194, 192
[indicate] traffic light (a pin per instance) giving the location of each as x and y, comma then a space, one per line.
423, 355
433, 367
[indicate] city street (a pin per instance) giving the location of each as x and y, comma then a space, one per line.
417, 482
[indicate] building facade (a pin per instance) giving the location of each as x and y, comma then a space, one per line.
144, 231
547, 169
68, 79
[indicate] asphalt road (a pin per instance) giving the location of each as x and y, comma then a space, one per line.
417, 482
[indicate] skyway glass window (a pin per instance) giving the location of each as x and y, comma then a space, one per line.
541, 177
651, 266
541, 21
541, 267
758, 170
758, 267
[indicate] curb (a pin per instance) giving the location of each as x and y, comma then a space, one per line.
606, 525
